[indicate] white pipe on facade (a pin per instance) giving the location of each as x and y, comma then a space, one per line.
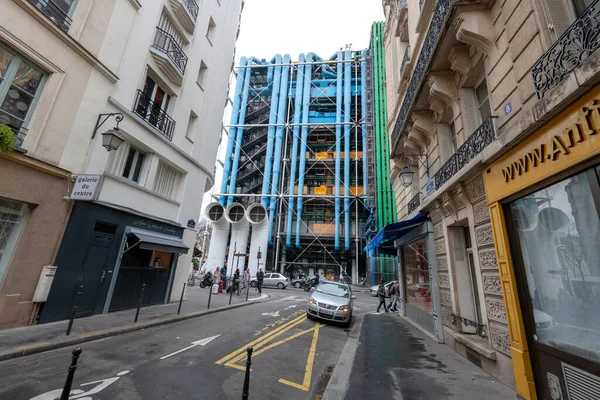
235, 214
215, 213
258, 217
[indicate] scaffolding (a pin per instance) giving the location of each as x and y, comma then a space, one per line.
297, 144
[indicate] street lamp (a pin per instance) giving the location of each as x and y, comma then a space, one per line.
112, 138
406, 176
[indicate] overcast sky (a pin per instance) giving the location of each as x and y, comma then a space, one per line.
291, 27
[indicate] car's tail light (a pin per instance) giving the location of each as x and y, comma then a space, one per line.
286, 281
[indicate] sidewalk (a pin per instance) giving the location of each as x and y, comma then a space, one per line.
387, 358
27, 340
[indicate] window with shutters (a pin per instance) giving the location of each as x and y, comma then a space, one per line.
127, 162
167, 179
560, 14
166, 25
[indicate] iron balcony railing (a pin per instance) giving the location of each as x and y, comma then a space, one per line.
479, 328
152, 113
20, 132
414, 203
405, 60
54, 13
479, 140
421, 4
192, 8
168, 45
578, 42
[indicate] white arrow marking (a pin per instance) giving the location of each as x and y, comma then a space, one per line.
272, 314
202, 342
292, 306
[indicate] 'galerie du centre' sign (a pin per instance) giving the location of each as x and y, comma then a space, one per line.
86, 187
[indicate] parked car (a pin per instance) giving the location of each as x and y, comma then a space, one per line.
420, 289
298, 283
331, 301
388, 285
272, 279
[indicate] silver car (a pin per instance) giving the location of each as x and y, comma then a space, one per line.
331, 301
272, 279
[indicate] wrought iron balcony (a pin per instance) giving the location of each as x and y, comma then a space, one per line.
20, 132
479, 140
152, 113
187, 12
166, 44
421, 4
578, 42
478, 327
414, 203
439, 22
53, 12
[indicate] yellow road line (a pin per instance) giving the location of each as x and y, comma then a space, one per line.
243, 349
31, 346
237, 367
294, 385
267, 340
311, 358
318, 326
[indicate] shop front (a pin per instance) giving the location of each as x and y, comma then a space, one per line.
544, 202
112, 255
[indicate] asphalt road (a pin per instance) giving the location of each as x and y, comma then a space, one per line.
293, 358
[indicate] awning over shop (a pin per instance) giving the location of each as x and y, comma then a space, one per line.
384, 240
160, 243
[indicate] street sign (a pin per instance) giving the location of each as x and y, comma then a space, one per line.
86, 187
429, 187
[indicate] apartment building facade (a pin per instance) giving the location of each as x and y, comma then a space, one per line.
154, 72
467, 81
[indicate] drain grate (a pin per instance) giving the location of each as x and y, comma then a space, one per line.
474, 357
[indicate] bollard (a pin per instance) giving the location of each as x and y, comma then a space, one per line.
181, 299
69, 382
232, 286
209, 296
247, 290
247, 377
75, 308
137, 312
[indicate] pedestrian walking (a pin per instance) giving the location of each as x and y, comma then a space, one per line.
247, 278
394, 294
260, 275
236, 281
217, 275
381, 295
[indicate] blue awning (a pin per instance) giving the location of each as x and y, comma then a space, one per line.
386, 236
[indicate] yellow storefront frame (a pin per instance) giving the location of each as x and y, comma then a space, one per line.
564, 144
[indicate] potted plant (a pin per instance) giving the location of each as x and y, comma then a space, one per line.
8, 139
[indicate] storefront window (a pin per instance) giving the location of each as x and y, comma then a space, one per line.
416, 276
559, 235
12, 216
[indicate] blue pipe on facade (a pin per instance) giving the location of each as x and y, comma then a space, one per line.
285, 95
294, 153
347, 111
235, 114
363, 107
338, 144
305, 108
239, 133
271, 131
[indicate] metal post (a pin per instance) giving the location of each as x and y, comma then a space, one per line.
137, 312
247, 377
181, 299
209, 296
74, 311
69, 382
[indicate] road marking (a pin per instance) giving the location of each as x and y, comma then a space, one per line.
202, 342
292, 306
243, 349
31, 346
309, 363
272, 314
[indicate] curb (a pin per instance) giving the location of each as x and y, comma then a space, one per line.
340, 378
91, 336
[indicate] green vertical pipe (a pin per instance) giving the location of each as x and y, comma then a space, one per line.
382, 123
386, 147
375, 70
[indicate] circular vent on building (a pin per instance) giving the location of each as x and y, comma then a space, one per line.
257, 214
236, 213
215, 213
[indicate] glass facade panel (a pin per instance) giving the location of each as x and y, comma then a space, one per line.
416, 276
558, 231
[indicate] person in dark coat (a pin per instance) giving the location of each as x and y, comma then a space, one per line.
260, 275
236, 281
381, 295
224, 276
